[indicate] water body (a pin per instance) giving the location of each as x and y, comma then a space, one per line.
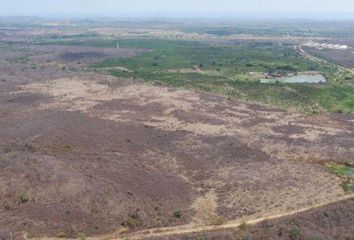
316, 78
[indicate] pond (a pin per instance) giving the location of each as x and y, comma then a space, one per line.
315, 78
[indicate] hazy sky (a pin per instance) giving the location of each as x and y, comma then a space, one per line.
111, 7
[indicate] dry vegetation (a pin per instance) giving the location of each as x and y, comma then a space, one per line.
326, 223
105, 151
86, 154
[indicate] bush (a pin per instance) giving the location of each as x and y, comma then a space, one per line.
177, 214
61, 235
24, 198
132, 221
280, 232
295, 234
219, 221
243, 226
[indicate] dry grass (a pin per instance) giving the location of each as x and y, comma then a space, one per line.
251, 160
206, 210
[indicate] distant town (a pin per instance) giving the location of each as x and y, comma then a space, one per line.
326, 45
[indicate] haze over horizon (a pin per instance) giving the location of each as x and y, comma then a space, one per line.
207, 8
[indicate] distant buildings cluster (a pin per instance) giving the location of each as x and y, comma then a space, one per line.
326, 45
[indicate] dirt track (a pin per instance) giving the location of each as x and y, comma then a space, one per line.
191, 229
188, 229
319, 60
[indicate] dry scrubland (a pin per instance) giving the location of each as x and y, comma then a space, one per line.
329, 222
87, 154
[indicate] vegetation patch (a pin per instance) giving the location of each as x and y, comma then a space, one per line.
24, 198
228, 70
346, 172
341, 170
177, 214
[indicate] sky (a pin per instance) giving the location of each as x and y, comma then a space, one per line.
175, 7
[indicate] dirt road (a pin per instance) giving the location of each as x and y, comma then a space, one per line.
319, 60
187, 229
198, 69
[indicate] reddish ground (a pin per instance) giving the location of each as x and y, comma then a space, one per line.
87, 153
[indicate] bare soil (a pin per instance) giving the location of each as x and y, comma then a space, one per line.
88, 158
87, 153
332, 222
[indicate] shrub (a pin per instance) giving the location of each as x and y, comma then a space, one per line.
24, 198
280, 232
61, 235
219, 221
243, 226
177, 214
132, 221
295, 234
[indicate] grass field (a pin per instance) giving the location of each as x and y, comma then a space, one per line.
226, 69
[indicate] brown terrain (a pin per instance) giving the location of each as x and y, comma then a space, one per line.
342, 57
83, 152
325, 223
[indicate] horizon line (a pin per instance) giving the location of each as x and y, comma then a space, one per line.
191, 15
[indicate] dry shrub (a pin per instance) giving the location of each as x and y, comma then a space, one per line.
116, 83
206, 210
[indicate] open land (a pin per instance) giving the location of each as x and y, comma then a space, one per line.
172, 133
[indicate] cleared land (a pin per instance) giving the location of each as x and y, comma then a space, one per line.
149, 152
85, 153
344, 57
328, 222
